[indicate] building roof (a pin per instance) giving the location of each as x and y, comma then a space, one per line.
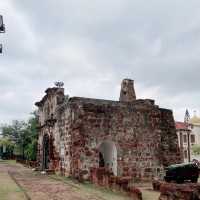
181, 126
195, 120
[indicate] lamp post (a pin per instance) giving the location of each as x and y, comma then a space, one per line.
186, 120
189, 149
2, 30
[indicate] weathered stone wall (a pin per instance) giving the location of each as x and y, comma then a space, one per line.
174, 191
49, 126
127, 93
142, 133
63, 137
169, 141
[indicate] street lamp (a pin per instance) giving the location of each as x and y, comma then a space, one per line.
2, 29
189, 147
186, 120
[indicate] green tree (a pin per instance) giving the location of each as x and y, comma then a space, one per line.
196, 149
24, 135
14, 131
31, 142
6, 147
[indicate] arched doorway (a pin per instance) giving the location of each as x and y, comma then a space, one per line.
45, 163
108, 156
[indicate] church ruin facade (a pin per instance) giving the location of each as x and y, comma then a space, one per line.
130, 137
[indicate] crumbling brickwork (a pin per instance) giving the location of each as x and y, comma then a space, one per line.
131, 137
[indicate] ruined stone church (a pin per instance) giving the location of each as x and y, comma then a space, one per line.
130, 137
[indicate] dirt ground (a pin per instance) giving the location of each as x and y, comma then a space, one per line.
147, 191
35, 186
43, 187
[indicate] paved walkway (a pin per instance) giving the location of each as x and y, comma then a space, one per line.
42, 187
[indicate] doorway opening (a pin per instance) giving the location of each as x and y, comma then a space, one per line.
46, 159
108, 156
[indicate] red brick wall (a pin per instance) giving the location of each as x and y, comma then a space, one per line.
144, 135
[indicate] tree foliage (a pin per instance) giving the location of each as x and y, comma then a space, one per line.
6, 147
196, 149
24, 137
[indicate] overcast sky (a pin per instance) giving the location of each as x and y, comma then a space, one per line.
91, 45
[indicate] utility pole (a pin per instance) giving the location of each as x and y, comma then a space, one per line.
2, 30
186, 120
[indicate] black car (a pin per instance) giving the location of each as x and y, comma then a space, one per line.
182, 172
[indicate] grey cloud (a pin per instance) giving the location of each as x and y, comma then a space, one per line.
92, 45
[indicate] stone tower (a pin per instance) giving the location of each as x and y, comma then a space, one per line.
127, 93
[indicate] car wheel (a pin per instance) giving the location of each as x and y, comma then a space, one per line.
194, 180
179, 180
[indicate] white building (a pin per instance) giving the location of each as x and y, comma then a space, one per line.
189, 135
195, 127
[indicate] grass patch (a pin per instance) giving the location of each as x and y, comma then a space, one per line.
88, 189
11, 162
9, 190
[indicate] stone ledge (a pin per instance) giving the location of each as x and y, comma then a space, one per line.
103, 177
174, 191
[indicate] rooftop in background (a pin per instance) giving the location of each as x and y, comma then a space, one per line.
181, 126
195, 120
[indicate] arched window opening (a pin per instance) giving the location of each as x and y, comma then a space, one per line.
108, 156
